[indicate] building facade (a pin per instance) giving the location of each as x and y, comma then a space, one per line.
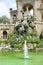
24, 8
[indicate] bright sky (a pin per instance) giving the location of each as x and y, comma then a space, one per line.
5, 5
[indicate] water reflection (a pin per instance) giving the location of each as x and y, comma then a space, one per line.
26, 62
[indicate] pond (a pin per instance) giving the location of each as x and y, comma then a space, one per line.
16, 58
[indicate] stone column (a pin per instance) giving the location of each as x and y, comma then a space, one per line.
11, 26
11, 16
36, 11
19, 8
37, 15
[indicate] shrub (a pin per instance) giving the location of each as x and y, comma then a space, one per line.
0, 41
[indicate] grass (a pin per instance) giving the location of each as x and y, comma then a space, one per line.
16, 58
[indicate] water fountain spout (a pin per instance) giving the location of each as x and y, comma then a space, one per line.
25, 51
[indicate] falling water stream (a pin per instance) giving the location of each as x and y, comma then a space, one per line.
25, 50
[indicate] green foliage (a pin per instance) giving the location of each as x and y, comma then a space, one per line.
0, 41
39, 46
4, 19
17, 46
5, 41
36, 41
1, 19
34, 33
41, 40
12, 38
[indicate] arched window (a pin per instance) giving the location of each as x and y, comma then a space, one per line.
4, 35
27, 5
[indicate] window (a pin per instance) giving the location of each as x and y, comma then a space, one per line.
4, 35
14, 18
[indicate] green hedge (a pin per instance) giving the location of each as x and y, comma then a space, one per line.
18, 46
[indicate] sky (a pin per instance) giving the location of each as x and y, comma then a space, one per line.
5, 5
